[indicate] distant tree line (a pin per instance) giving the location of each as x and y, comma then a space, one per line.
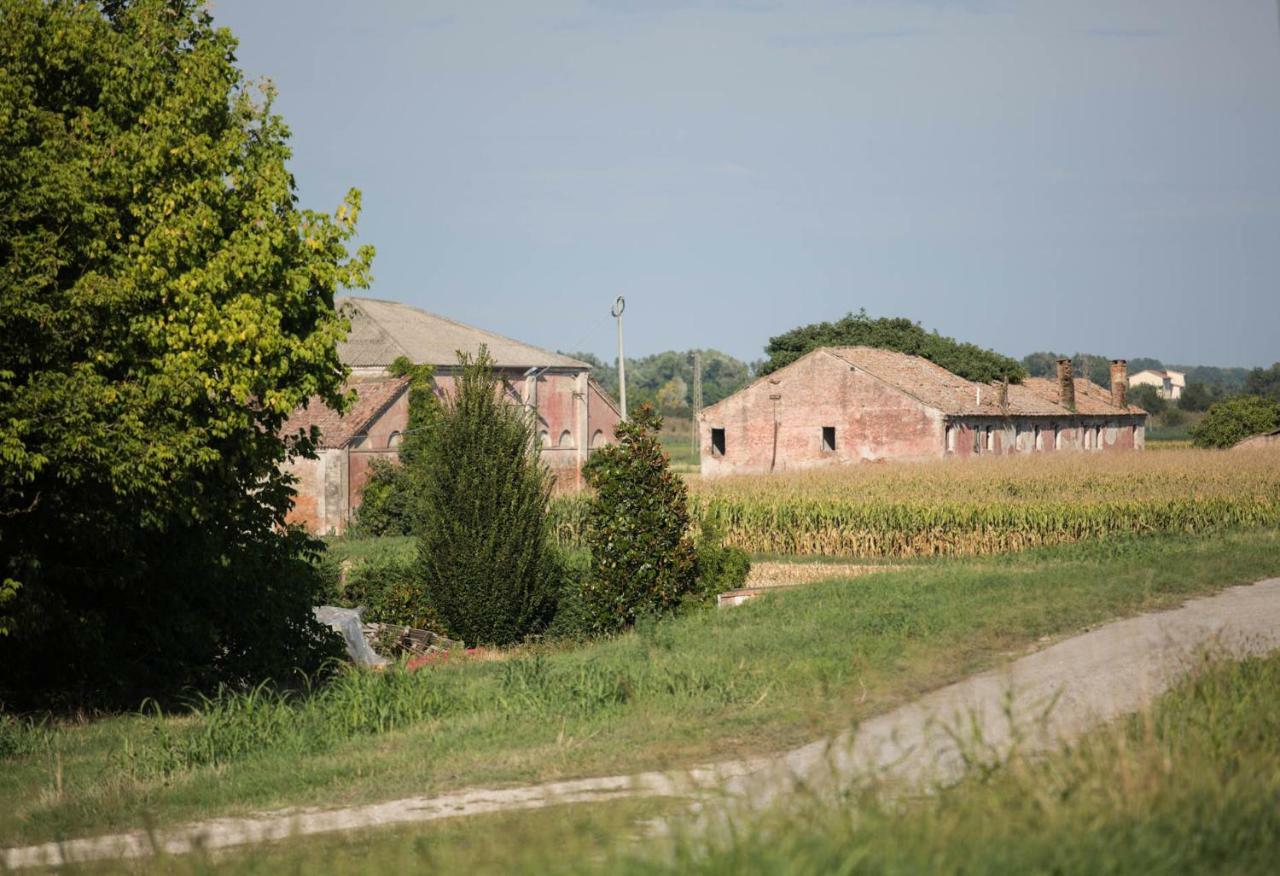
665, 380
1206, 384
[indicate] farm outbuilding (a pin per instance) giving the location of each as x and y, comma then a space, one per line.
573, 414
1267, 439
839, 405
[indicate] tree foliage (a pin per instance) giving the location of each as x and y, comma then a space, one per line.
1235, 419
642, 558
389, 503
1264, 382
1148, 398
1092, 367
483, 553
892, 333
164, 305
1198, 396
647, 376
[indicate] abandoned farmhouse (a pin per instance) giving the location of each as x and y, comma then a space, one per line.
838, 405
573, 413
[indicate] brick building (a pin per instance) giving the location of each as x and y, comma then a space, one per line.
573, 413
839, 405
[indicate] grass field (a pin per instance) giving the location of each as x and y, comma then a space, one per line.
1188, 786
775, 672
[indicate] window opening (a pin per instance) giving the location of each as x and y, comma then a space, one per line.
717, 442
829, 438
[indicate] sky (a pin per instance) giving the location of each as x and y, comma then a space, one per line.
1093, 175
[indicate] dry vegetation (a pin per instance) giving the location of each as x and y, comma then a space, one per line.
991, 505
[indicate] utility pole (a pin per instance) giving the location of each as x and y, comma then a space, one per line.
697, 399
619, 306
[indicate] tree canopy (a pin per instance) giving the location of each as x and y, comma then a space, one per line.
1235, 419
892, 333
665, 379
164, 305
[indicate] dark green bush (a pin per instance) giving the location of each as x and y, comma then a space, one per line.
642, 558
720, 566
484, 563
386, 505
389, 589
1231, 421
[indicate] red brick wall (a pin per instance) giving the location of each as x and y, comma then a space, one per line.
872, 421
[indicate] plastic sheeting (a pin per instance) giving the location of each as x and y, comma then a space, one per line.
346, 622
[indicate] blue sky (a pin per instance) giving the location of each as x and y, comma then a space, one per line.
1096, 175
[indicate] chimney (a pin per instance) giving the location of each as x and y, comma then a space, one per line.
1002, 394
1066, 385
1119, 382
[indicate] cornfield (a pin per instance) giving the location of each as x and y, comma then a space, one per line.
981, 506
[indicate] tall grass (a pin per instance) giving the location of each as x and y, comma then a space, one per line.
1190, 786
710, 685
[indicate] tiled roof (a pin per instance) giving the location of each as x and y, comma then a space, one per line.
1090, 398
382, 331
373, 396
938, 388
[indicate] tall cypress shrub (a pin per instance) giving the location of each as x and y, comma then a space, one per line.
483, 556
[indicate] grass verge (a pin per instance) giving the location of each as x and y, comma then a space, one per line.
778, 671
1188, 786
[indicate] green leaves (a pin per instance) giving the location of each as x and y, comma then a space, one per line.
643, 560
1231, 421
967, 360
164, 305
484, 557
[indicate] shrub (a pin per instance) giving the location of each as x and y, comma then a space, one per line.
720, 566
642, 558
484, 559
386, 505
1148, 398
1231, 421
388, 587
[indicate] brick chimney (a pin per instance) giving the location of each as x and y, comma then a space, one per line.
1119, 382
1002, 394
1066, 385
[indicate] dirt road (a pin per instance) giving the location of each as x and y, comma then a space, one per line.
1087, 679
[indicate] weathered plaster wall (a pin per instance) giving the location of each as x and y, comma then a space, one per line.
321, 502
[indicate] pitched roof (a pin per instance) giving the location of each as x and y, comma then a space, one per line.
938, 388
373, 396
1090, 398
382, 331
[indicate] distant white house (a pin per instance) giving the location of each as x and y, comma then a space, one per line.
1169, 384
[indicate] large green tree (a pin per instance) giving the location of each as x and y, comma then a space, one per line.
1235, 419
164, 305
858, 329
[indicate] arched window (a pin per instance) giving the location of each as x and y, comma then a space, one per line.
394, 439
951, 439
544, 440
566, 439
358, 441
597, 440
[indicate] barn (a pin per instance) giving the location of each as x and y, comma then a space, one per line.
842, 405
573, 414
